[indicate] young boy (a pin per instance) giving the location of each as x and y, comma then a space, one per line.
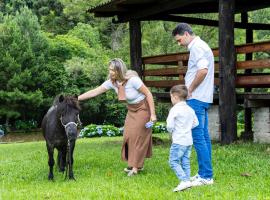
180, 121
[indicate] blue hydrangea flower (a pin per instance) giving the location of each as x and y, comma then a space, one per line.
109, 133
99, 130
121, 130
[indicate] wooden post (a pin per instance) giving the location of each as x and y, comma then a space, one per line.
135, 46
227, 72
248, 135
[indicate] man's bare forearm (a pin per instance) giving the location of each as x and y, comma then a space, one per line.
201, 74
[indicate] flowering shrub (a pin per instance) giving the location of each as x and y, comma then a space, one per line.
159, 127
2, 132
26, 125
93, 130
2, 128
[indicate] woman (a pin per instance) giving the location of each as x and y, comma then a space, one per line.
137, 143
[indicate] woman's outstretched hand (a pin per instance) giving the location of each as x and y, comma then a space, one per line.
79, 99
153, 118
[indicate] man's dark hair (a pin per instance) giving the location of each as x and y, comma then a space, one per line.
181, 28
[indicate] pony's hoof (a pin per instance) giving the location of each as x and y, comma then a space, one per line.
50, 177
72, 178
62, 170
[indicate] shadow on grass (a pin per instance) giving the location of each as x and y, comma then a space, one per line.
157, 141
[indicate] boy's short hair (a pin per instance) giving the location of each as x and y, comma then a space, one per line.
180, 90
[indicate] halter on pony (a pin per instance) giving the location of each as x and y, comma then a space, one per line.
68, 144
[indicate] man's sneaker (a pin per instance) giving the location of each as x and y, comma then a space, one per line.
182, 186
128, 169
202, 181
193, 178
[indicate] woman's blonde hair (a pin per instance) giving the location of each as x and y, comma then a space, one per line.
120, 68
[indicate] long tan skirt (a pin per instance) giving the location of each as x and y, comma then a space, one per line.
137, 144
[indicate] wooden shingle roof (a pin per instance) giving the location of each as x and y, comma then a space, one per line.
126, 10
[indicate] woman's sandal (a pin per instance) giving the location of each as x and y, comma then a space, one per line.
128, 169
132, 173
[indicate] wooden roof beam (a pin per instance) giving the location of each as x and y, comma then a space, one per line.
245, 6
212, 7
154, 9
208, 22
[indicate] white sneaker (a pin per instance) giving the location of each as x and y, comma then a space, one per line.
202, 181
193, 178
182, 186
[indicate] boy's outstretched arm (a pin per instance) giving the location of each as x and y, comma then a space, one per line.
170, 122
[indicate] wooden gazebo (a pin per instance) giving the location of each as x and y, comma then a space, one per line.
135, 11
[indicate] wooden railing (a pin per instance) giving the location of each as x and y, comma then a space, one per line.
175, 75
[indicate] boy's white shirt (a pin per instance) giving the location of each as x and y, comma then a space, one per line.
180, 121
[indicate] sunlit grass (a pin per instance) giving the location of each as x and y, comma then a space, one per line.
241, 172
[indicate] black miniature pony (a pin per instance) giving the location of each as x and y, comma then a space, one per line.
59, 127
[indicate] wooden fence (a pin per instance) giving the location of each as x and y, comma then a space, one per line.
169, 76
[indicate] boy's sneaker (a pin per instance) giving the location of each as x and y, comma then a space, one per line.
202, 181
193, 178
128, 169
182, 186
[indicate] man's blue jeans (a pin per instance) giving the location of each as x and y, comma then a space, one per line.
201, 139
179, 161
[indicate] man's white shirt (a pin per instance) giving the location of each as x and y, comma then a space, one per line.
201, 57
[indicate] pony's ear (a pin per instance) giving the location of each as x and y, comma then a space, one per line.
61, 98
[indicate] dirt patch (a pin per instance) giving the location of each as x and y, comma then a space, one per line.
21, 137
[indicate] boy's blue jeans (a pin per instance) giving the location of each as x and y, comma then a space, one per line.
201, 139
179, 161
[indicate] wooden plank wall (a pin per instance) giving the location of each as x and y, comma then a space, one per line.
169, 76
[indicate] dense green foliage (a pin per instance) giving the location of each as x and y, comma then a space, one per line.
48, 47
241, 171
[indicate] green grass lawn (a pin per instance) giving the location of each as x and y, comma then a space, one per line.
242, 171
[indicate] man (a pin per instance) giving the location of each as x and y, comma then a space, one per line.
199, 80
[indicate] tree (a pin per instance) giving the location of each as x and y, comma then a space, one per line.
12, 6
24, 52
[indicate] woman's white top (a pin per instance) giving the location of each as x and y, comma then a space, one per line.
180, 121
133, 95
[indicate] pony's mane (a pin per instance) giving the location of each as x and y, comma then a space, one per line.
72, 101
69, 101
